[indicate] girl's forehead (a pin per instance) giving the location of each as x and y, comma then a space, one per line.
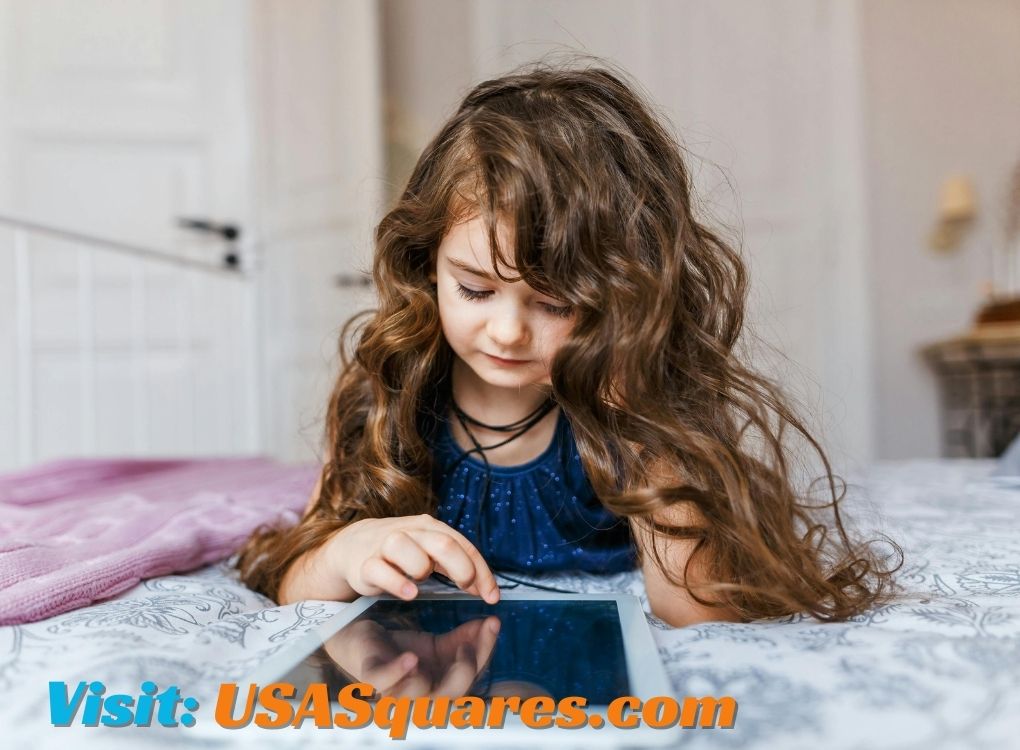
467, 243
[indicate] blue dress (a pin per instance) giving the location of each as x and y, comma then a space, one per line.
540, 516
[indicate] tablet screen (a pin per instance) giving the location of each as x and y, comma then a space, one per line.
544, 647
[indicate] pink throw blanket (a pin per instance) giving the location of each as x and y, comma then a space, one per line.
77, 531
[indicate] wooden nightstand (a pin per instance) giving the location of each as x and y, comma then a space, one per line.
979, 381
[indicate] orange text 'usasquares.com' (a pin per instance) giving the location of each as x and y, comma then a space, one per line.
274, 706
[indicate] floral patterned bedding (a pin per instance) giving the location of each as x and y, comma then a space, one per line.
939, 668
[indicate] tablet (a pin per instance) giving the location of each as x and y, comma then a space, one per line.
549, 675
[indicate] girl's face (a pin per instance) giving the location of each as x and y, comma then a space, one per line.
487, 320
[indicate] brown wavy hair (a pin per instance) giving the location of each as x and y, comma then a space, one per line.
598, 198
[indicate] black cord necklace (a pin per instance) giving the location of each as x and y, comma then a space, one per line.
521, 426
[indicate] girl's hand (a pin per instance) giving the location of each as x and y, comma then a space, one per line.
378, 554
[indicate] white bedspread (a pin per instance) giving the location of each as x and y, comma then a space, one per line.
938, 669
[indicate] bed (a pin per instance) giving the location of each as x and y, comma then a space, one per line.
940, 668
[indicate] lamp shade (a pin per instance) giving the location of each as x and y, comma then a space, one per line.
957, 201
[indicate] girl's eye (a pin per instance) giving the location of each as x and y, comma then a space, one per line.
466, 293
560, 312
474, 294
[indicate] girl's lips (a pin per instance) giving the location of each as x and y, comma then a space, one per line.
507, 362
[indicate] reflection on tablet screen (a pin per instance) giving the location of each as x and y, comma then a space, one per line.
553, 648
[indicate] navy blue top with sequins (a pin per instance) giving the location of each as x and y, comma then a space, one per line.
540, 516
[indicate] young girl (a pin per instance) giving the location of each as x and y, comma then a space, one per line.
549, 383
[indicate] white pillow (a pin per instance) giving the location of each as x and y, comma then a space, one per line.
1009, 462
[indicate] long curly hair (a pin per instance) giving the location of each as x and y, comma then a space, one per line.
596, 193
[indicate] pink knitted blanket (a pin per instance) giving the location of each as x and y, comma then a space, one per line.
76, 531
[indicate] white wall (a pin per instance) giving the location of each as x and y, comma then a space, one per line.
943, 96
427, 58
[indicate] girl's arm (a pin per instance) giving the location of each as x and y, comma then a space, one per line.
314, 576
670, 603
309, 576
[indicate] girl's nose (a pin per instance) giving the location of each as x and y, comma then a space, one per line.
507, 330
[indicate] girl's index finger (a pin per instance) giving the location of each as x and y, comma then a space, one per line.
460, 560
485, 581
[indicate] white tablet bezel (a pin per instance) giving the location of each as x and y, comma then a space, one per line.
645, 673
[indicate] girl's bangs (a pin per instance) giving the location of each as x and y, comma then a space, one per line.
507, 198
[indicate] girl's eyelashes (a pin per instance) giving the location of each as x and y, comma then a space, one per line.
466, 293
473, 294
561, 312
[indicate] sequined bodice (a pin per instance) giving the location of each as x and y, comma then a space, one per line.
542, 515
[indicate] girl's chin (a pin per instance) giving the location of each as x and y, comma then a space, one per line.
508, 381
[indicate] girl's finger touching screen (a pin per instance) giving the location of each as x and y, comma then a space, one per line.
469, 572
485, 581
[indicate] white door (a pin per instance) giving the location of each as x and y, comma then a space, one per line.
119, 117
